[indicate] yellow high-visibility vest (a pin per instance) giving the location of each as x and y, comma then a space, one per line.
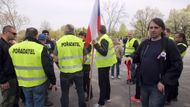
26, 57
171, 37
70, 53
183, 53
88, 58
129, 49
110, 58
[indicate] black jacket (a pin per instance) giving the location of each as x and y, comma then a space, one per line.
171, 68
102, 48
7, 71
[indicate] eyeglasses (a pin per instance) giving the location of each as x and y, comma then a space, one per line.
13, 33
155, 27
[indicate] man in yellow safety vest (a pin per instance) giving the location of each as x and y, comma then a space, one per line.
105, 58
33, 67
130, 47
70, 51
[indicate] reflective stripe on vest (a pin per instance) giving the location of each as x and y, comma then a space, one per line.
70, 57
71, 67
129, 46
183, 53
110, 58
28, 68
26, 57
70, 53
31, 79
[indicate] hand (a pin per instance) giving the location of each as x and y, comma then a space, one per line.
53, 87
51, 55
94, 42
5, 86
161, 87
84, 59
12, 42
55, 58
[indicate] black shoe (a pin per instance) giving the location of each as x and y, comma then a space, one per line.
48, 103
130, 82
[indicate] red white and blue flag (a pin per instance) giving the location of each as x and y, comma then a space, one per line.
94, 25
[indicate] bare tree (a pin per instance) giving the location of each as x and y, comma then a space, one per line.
9, 15
113, 12
142, 18
179, 20
45, 25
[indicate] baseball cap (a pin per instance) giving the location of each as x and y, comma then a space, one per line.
41, 37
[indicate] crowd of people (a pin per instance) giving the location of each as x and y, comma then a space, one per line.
27, 67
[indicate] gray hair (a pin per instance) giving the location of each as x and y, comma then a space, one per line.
31, 32
69, 29
7, 28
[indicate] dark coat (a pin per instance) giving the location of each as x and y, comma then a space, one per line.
171, 68
7, 71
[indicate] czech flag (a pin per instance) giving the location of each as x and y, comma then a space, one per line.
94, 25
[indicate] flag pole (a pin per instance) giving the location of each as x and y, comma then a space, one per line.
92, 34
90, 76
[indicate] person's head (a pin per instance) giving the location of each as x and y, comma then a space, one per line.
167, 32
103, 29
156, 28
31, 32
46, 32
42, 38
69, 29
9, 33
130, 34
180, 38
82, 35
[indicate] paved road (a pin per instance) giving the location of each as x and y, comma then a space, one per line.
120, 92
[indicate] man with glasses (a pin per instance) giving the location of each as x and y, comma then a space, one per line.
8, 81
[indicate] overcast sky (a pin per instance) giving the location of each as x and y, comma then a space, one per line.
77, 12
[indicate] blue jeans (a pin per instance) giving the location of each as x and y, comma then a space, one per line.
35, 96
117, 68
66, 80
151, 96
